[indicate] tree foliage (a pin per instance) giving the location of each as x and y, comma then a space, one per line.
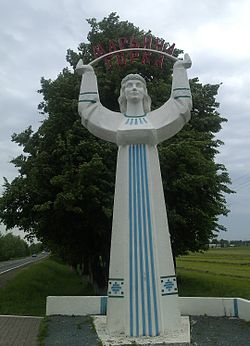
64, 191
12, 246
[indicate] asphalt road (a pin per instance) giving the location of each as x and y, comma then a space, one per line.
7, 266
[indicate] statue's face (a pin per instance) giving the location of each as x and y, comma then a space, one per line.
134, 90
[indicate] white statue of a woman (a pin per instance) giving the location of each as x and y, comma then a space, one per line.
142, 289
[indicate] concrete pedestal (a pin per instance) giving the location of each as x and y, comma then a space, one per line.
182, 335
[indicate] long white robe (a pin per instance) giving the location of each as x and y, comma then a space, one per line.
142, 287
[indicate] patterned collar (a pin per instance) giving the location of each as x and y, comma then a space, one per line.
135, 116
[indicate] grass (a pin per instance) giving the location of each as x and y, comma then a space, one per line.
26, 293
216, 273
43, 331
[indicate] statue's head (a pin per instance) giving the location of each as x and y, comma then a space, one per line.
122, 98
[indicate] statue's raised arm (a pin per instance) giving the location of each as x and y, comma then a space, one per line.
173, 115
99, 120
135, 124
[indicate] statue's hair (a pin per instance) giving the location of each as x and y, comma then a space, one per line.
122, 99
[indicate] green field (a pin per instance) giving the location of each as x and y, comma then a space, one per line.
26, 293
221, 272
215, 273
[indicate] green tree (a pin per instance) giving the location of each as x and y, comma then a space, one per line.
35, 248
64, 191
12, 246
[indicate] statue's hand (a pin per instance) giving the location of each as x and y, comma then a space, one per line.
81, 69
186, 62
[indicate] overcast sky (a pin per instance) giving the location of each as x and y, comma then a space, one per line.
35, 35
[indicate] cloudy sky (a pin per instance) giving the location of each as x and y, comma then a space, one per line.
35, 35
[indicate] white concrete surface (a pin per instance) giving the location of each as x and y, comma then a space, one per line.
73, 305
244, 309
97, 305
207, 306
182, 335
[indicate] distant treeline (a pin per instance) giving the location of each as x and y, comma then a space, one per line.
12, 246
226, 243
240, 242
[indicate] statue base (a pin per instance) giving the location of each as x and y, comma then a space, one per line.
179, 336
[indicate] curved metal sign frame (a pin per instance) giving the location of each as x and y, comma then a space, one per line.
133, 49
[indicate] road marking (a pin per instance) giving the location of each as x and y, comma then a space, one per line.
20, 316
20, 265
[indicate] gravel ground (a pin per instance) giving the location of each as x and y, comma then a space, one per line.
205, 331
219, 331
71, 331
